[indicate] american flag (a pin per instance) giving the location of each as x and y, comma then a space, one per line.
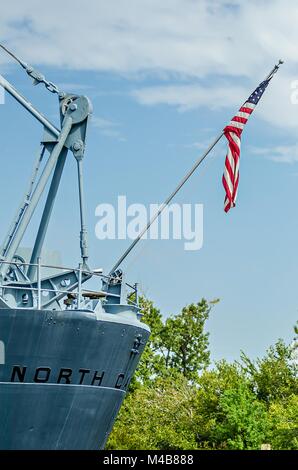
233, 133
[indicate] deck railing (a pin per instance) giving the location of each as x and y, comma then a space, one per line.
79, 294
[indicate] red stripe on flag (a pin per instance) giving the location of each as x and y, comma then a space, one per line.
246, 110
231, 128
233, 173
227, 189
228, 206
240, 119
229, 169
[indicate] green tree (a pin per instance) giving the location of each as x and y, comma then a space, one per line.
151, 364
178, 345
274, 377
283, 417
156, 417
185, 342
228, 414
176, 402
241, 421
158, 410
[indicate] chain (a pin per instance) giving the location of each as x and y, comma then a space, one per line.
35, 75
39, 78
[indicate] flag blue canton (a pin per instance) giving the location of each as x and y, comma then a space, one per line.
257, 94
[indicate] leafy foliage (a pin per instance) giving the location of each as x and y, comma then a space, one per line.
283, 416
241, 420
178, 345
275, 375
177, 402
156, 418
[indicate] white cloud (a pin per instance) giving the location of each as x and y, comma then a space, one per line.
107, 128
184, 37
177, 40
276, 106
190, 96
281, 154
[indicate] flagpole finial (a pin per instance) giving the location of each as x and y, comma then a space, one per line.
274, 70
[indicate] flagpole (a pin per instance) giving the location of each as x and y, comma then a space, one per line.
166, 202
181, 183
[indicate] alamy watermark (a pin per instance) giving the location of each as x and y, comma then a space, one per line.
2, 352
177, 222
294, 94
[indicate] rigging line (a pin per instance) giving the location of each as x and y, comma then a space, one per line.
13, 56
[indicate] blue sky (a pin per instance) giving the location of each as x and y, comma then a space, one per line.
164, 78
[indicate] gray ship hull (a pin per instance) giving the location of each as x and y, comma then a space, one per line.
65, 376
